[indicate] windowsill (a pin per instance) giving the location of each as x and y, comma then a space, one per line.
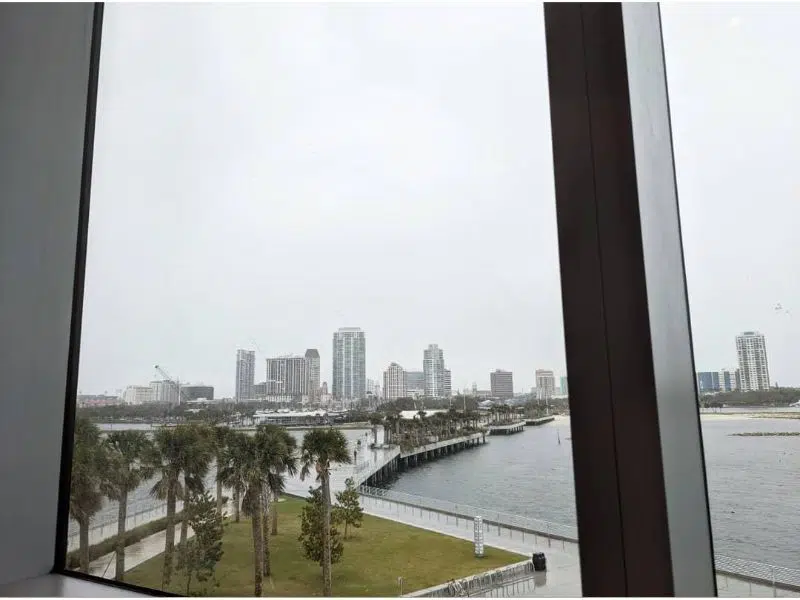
53, 585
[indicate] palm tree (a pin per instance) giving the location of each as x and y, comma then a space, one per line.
321, 448
179, 450
276, 458
289, 467
85, 495
198, 441
220, 436
128, 452
232, 469
243, 470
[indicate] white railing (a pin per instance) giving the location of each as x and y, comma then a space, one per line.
771, 576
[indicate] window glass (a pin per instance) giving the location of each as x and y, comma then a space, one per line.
733, 97
323, 270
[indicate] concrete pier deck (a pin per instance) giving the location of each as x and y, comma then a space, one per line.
507, 428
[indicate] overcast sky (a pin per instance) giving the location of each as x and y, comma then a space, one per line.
266, 174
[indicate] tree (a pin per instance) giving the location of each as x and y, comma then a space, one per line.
89, 462
288, 467
175, 450
198, 450
243, 470
312, 529
220, 436
128, 452
349, 506
232, 470
276, 456
198, 558
321, 448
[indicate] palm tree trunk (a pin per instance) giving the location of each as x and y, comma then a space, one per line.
275, 514
258, 550
219, 490
169, 544
265, 528
326, 536
236, 505
119, 571
184, 524
83, 526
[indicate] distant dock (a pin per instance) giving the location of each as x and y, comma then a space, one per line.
541, 421
507, 428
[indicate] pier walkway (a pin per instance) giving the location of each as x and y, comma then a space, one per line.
539, 421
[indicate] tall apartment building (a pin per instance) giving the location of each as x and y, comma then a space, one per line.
287, 376
349, 364
433, 368
137, 394
415, 383
312, 373
395, 382
502, 384
245, 375
165, 392
545, 384
751, 351
448, 383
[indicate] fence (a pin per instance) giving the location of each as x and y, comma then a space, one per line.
490, 517
482, 584
745, 571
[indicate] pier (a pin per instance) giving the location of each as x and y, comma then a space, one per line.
540, 421
394, 461
507, 428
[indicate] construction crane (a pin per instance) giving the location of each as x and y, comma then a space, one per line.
181, 394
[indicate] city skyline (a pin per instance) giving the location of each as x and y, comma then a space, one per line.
307, 150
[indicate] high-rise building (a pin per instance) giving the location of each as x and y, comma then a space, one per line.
245, 375
324, 388
287, 376
502, 384
373, 388
312, 373
545, 384
729, 380
564, 386
260, 390
448, 383
395, 382
416, 383
137, 394
751, 351
433, 367
165, 392
708, 382
349, 364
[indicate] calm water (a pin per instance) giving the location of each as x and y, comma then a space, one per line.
754, 482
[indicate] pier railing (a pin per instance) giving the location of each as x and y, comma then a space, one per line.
771, 576
490, 517
480, 585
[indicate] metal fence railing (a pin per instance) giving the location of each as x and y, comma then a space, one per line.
765, 575
546, 528
479, 585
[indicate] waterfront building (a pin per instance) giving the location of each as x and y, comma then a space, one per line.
448, 384
433, 368
197, 392
545, 384
502, 384
349, 364
729, 380
395, 382
165, 392
415, 383
751, 352
564, 386
137, 394
287, 375
708, 382
245, 375
312, 373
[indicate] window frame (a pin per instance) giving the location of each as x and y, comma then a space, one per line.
637, 445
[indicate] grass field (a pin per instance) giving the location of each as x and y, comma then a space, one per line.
374, 557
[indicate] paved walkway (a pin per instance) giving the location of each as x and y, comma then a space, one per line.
563, 563
135, 554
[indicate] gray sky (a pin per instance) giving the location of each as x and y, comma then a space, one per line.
266, 174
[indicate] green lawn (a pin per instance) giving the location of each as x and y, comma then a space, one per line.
374, 557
